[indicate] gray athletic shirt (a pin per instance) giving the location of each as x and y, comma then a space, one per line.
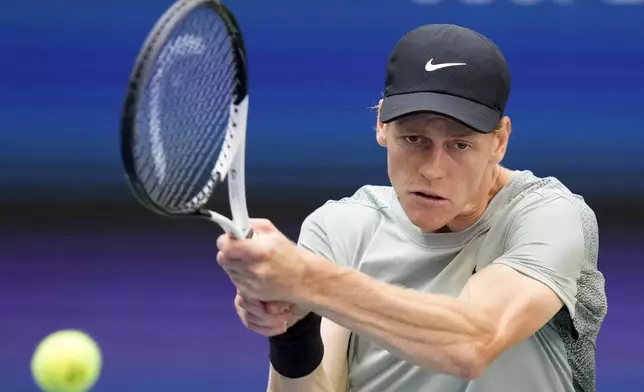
534, 225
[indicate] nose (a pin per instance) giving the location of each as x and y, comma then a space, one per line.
433, 164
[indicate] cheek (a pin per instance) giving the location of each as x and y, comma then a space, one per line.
472, 177
466, 175
397, 164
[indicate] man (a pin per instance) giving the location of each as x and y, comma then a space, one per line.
462, 276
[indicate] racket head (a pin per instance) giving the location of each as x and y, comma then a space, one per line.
197, 110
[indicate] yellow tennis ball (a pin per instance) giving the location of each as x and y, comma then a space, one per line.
66, 361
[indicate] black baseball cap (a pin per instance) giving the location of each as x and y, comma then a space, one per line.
449, 70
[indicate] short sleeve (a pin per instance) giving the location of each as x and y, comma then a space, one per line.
313, 235
545, 241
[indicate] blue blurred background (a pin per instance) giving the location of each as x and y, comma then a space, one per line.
76, 251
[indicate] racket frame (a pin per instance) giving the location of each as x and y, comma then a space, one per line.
234, 167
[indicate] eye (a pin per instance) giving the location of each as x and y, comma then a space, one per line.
413, 139
460, 146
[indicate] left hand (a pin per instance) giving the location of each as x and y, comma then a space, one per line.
267, 267
257, 316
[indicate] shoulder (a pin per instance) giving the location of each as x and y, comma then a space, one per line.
552, 236
342, 229
362, 209
552, 213
543, 221
553, 229
529, 194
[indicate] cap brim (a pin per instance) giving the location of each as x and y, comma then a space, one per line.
476, 116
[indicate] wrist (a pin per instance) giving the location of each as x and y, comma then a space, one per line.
298, 351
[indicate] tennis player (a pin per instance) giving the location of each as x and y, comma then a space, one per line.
462, 276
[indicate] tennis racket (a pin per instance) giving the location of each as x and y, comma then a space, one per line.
183, 125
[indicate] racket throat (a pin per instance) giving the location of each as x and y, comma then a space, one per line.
226, 224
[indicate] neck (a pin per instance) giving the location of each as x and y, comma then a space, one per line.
493, 182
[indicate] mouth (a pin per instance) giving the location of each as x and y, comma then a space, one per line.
429, 196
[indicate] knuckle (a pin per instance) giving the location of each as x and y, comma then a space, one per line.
251, 288
269, 251
256, 270
272, 307
242, 316
245, 319
245, 292
276, 307
221, 241
238, 302
243, 304
262, 222
262, 271
220, 257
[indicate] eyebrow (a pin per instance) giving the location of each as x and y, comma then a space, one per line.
461, 131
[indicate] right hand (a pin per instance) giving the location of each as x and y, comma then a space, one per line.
267, 318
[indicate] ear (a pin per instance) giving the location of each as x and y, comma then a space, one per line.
381, 135
502, 135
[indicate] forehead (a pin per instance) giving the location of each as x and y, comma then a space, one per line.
428, 122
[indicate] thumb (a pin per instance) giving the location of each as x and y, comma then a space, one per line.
262, 226
276, 307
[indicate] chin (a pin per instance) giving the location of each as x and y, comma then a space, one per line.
429, 220
430, 226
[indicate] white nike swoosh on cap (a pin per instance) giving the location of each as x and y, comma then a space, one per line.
429, 67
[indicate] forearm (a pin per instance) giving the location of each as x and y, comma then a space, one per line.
314, 382
438, 333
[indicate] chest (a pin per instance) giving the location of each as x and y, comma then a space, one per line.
393, 258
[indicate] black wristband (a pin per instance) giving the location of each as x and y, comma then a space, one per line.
298, 351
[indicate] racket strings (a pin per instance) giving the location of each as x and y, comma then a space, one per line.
181, 142
213, 145
202, 103
201, 157
197, 160
200, 161
182, 123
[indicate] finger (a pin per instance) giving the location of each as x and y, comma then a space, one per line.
271, 307
234, 268
224, 260
275, 307
252, 307
258, 307
266, 327
266, 322
223, 241
245, 283
221, 258
246, 250
229, 247
250, 251
269, 321
267, 331
262, 225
